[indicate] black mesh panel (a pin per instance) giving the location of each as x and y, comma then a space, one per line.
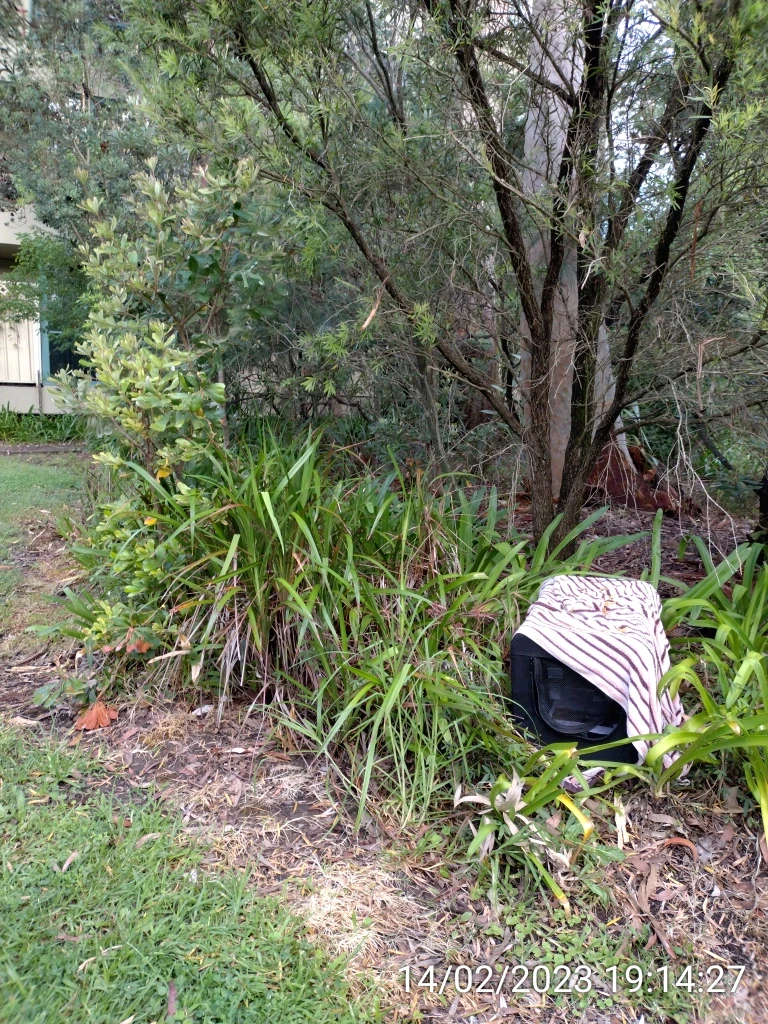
572, 705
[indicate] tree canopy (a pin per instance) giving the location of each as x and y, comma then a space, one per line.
518, 231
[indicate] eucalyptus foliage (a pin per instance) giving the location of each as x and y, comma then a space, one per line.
67, 103
499, 229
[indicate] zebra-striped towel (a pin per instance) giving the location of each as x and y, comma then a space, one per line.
610, 632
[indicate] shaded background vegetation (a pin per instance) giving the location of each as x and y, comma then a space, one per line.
368, 280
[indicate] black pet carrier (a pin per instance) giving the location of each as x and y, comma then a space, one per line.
559, 705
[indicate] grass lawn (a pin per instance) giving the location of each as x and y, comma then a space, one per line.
135, 929
50, 482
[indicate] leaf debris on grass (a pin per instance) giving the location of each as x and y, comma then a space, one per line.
97, 716
101, 942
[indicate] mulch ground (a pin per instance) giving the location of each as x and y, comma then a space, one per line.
55, 448
695, 869
720, 532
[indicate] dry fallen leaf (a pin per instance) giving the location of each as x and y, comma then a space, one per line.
553, 822
23, 723
679, 841
141, 646
622, 825
707, 847
72, 857
664, 894
171, 999
97, 716
146, 839
731, 802
664, 819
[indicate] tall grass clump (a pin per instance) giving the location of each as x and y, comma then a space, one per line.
371, 614
722, 649
35, 428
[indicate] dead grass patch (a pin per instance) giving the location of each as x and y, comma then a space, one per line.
282, 784
360, 908
173, 725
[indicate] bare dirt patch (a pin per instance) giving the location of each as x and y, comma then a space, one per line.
29, 449
46, 569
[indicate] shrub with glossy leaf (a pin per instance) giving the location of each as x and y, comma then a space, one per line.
152, 351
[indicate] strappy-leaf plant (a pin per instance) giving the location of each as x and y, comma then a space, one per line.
371, 614
725, 662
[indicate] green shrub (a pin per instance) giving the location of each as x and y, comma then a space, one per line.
151, 355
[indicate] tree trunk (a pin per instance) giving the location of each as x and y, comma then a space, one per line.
545, 136
545, 139
427, 383
605, 392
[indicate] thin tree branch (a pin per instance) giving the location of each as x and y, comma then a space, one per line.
566, 95
663, 247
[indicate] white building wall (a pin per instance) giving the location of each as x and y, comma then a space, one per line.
20, 344
20, 352
23, 398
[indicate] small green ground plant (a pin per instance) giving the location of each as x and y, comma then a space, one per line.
105, 910
587, 937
